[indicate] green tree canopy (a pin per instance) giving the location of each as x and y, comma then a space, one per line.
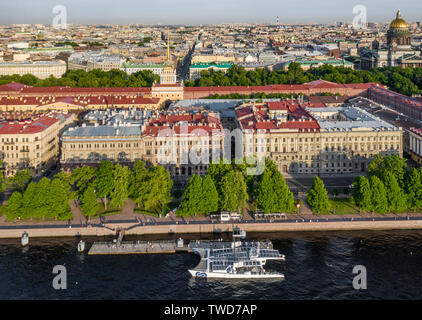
104, 180
413, 189
395, 195
233, 191
379, 196
89, 203
362, 193
317, 197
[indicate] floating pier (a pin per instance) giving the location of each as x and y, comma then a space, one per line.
133, 247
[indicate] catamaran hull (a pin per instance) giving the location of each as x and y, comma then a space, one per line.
222, 275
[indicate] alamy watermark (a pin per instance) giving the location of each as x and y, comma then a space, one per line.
60, 18
206, 146
360, 20
60, 281
360, 280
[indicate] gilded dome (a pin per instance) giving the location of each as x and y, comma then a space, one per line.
399, 23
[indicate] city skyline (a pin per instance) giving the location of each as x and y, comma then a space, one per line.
186, 12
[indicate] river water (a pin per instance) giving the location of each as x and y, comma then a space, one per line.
318, 266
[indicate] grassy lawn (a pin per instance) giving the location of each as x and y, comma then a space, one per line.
105, 212
343, 206
172, 205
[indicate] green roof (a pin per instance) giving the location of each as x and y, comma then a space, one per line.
222, 65
142, 65
332, 62
50, 49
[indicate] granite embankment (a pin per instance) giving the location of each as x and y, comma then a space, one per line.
110, 229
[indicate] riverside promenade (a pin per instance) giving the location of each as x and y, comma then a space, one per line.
139, 226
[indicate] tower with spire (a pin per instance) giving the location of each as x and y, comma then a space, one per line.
168, 75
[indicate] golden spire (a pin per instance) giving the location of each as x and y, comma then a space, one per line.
168, 48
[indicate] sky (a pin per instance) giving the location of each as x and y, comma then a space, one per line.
204, 11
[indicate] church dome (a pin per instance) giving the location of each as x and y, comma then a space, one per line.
399, 22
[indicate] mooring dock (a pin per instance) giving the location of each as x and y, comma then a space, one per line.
133, 247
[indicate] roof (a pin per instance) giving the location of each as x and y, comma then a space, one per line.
13, 86
197, 124
32, 126
103, 130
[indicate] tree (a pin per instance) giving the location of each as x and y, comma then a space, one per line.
89, 202
2, 178
317, 197
209, 196
41, 199
158, 189
413, 189
82, 177
120, 190
138, 183
14, 204
265, 196
379, 196
395, 196
362, 194
392, 163
28, 201
233, 191
59, 197
284, 201
20, 180
193, 197
104, 180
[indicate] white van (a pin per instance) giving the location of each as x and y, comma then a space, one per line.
224, 217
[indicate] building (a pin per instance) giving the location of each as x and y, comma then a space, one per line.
130, 67
113, 135
415, 144
195, 69
39, 69
76, 103
412, 107
168, 74
184, 143
303, 140
307, 64
32, 143
398, 50
156, 138
104, 62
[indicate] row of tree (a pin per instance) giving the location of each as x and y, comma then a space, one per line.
150, 188
82, 79
407, 81
47, 199
228, 187
391, 186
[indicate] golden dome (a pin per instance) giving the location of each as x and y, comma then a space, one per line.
399, 23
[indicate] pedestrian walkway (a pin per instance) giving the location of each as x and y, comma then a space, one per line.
77, 215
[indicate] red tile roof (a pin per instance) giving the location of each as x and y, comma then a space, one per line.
298, 117
197, 124
32, 126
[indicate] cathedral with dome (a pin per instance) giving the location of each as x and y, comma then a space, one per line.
396, 52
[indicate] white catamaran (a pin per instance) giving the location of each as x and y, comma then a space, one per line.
235, 260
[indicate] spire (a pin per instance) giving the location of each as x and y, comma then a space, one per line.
398, 14
168, 48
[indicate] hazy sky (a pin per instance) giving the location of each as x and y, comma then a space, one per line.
203, 11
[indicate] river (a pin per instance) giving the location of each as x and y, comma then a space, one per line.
318, 265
